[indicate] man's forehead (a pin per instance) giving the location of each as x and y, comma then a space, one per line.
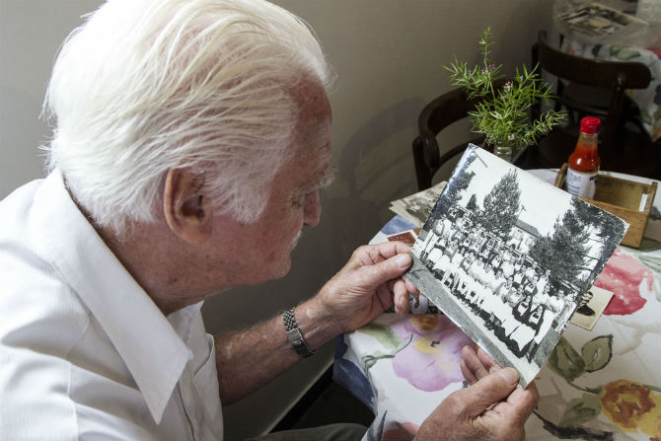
312, 99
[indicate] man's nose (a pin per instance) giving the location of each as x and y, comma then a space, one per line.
312, 212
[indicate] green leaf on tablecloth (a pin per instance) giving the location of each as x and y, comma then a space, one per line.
657, 113
368, 361
565, 361
384, 334
645, 116
597, 353
581, 410
624, 53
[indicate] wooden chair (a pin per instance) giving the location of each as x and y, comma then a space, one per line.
623, 145
438, 114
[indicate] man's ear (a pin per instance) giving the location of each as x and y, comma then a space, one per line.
186, 205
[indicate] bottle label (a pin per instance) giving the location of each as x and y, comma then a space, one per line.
581, 184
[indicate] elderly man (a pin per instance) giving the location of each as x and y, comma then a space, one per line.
191, 140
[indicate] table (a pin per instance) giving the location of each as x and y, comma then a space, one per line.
403, 367
643, 46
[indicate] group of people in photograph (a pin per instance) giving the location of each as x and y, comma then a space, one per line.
507, 289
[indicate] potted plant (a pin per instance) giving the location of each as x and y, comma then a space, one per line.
503, 115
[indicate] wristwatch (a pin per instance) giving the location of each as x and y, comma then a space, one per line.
294, 335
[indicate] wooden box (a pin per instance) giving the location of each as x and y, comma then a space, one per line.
628, 200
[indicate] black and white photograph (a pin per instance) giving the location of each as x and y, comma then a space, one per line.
416, 207
509, 257
597, 19
592, 306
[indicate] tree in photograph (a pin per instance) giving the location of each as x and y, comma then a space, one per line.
544, 251
602, 225
456, 186
472, 204
565, 251
571, 243
501, 206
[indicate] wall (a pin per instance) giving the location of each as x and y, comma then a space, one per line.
389, 56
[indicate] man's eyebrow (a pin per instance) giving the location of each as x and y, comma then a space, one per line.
322, 181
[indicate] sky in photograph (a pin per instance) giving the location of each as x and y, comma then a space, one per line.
542, 202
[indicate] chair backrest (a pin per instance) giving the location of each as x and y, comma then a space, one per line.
438, 114
614, 75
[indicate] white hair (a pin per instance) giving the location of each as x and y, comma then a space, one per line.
144, 86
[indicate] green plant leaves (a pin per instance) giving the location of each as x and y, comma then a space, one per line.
568, 363
503, 116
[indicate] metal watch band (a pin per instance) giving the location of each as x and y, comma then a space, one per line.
294, 335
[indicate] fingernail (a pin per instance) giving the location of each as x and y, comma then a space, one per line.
403, 260
510, 375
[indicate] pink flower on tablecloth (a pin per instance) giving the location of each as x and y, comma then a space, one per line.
431, 361
403, 432
623, 276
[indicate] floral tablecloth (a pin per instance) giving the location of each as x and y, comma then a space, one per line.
603, 384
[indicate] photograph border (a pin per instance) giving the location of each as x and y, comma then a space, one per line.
508, 258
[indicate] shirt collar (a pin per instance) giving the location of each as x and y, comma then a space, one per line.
182, 322
149, 345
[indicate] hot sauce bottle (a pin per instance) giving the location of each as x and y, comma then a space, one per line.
584, 162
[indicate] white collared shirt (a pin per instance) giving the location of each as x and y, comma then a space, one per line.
84, 351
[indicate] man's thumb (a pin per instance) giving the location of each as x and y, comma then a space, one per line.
388, 269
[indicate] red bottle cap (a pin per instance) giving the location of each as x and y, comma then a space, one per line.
590, 125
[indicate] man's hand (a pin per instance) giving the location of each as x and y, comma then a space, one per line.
491, 408
362, 290
368, 285
476, 365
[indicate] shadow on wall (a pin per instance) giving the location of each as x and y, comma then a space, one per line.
21, 133
376, 166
